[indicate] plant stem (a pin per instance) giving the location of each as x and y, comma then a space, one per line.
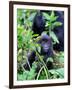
50, 29
39, 72
45, 67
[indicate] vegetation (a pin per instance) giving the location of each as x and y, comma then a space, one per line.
27, 42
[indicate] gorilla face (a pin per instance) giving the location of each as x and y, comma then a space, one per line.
46, 44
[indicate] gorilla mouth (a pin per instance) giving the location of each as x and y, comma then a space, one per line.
46, 49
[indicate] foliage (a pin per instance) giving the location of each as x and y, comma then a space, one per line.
27, 42
56, 73
51, 23
27, 75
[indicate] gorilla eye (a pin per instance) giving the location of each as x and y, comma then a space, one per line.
43, 42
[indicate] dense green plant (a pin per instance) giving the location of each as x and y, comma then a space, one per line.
28, 75
51, 23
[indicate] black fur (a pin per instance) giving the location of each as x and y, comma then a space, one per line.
38, 23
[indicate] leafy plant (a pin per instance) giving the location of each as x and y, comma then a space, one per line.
56, 73
51, 23
28, 75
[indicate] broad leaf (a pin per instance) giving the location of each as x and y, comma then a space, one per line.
55, 24
47, 17
54, 37
53, 17
31, 17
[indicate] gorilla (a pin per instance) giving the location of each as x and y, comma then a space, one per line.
38, 23
39, 26
59, 31
46, 51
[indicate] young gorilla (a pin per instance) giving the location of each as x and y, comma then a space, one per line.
46, 51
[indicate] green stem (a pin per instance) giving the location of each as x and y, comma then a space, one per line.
39, 72
50, 29
46, 69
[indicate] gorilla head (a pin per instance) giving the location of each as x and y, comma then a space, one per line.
46, 45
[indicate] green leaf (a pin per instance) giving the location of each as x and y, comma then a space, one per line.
47, 17
61, 59
32, 73
23, 76
39, 48
31, 17
50, 59
61, 72
57, 73
47, 24
53, 17
20, 30
35, 35
52, 14
54, 37
55, 24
